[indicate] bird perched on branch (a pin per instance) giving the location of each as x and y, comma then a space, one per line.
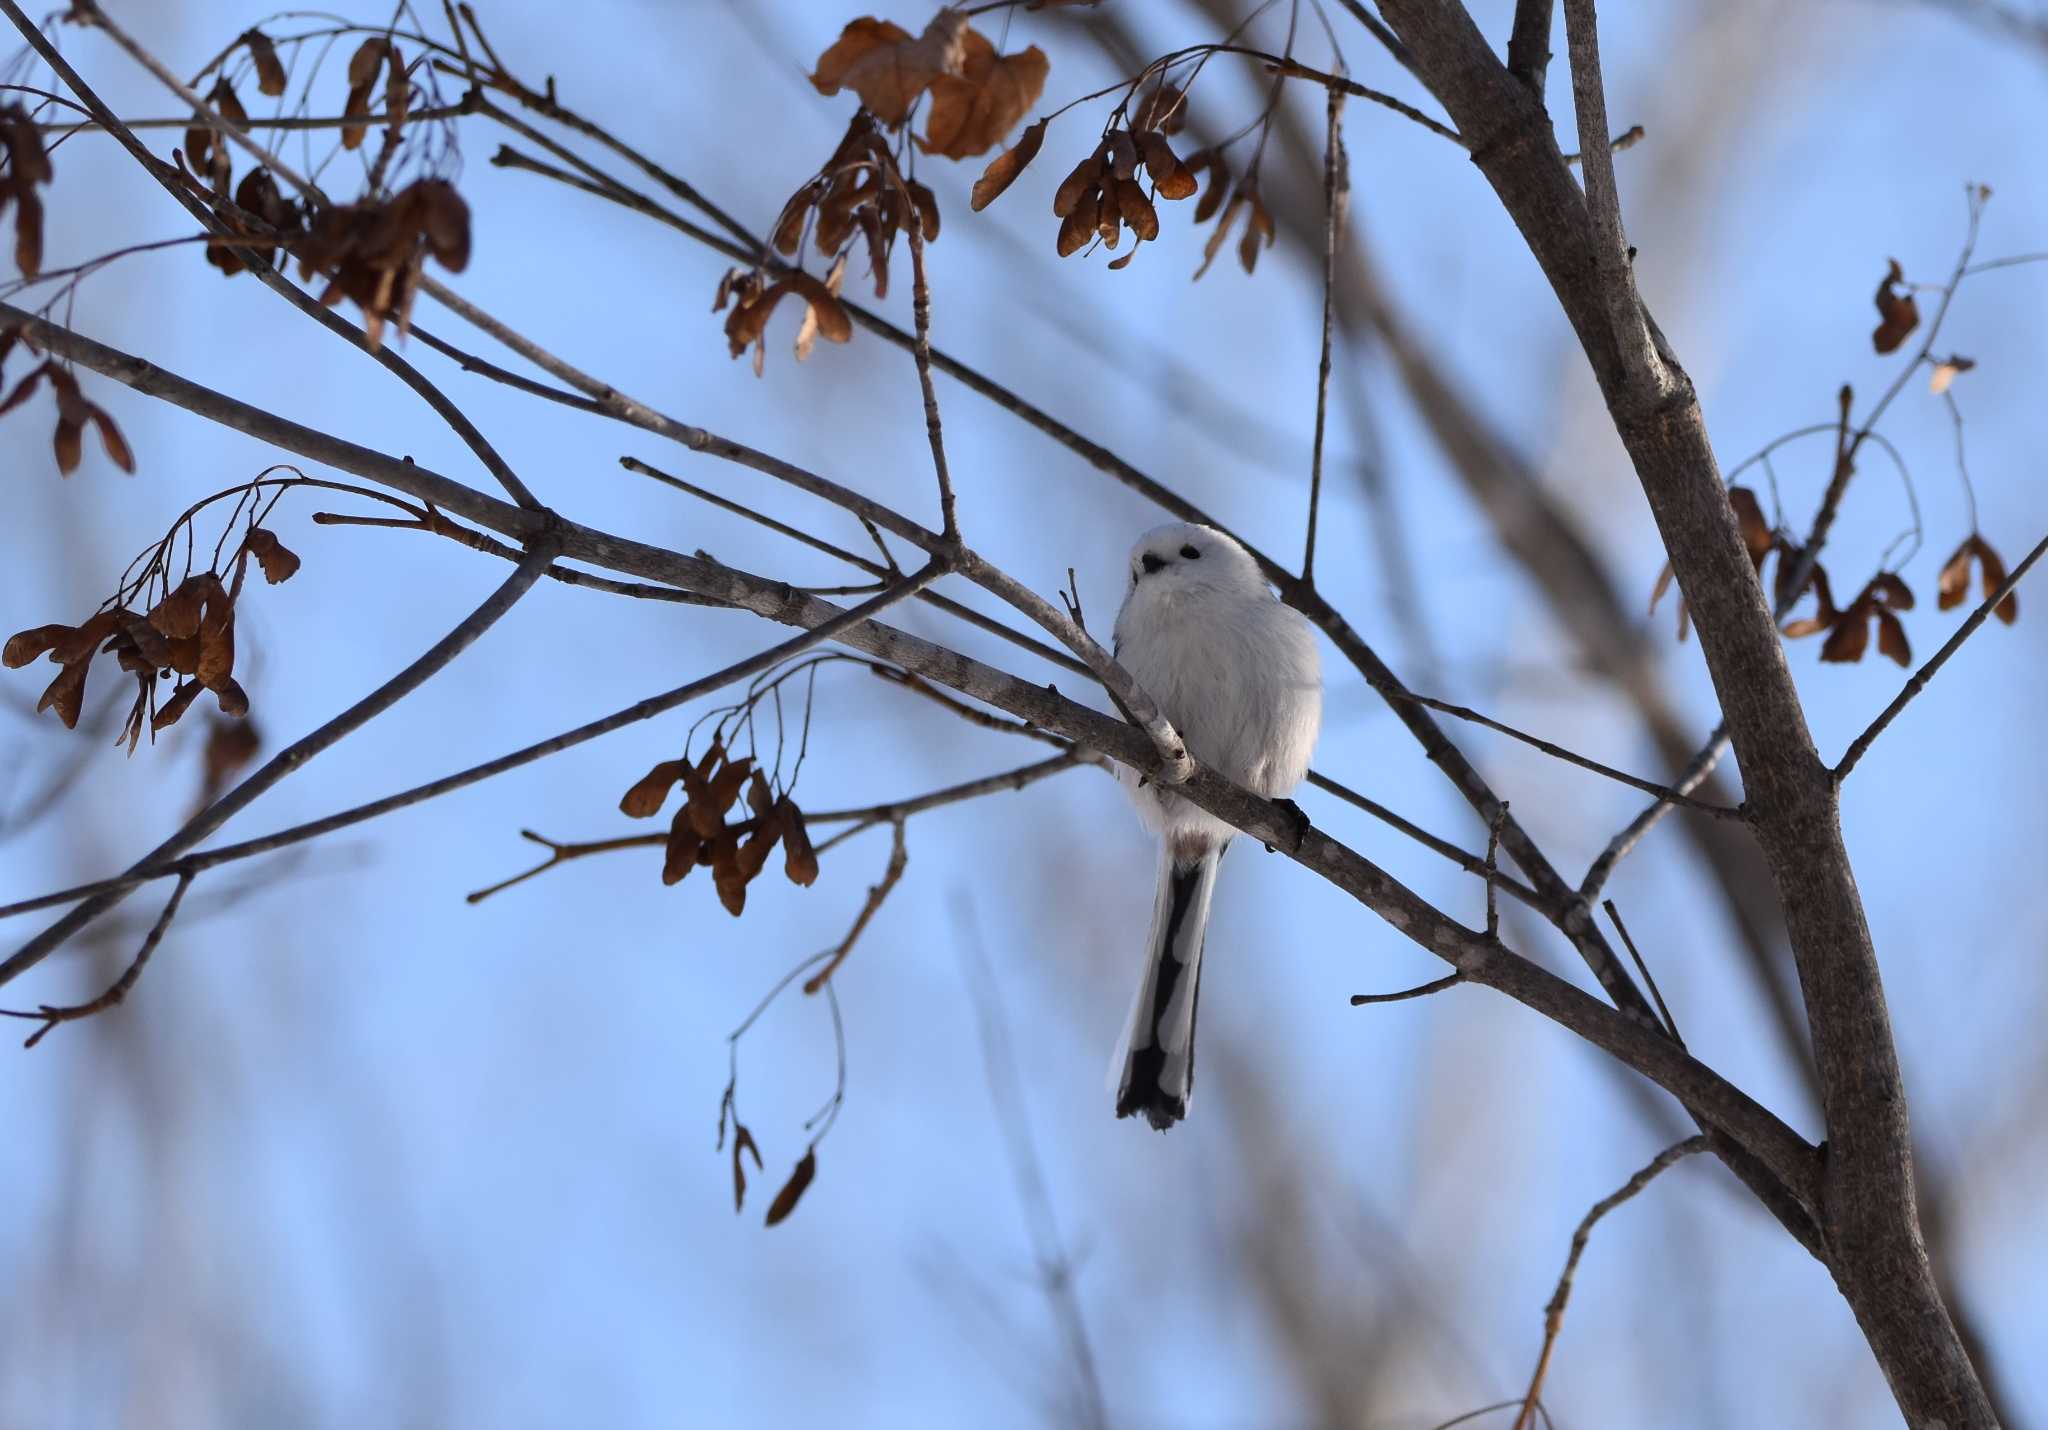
1238, 675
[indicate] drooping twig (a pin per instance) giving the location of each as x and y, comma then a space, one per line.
891, 875
1860, 746
1553, 1314
538, 558
53, 1014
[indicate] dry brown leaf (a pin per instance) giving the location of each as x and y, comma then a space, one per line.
645, 799
1077, 185
1851, 636
982, 100
880, 62
1890, 589
1006, 166
1757, 536
231, 698
1898, 314
270, 77
792, 1190
1164, 108
24, 646
170, 711
66, 694
1223, 226
742, 1140
1170, 177
279, 562
2007, 610
683, 845
1891, 637
799, 860
726, 875
927, 205
1138, 212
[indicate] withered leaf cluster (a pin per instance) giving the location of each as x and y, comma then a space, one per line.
1952, 587
743, 1143
372, 251
1848, 628
27, 165
737, 852
256, 197
1244, 200
189, 634
373, 57
977, 95
74, 411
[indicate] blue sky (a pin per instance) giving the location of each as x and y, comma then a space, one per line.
359, 1152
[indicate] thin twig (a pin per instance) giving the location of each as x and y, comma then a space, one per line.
1336, 190
1918, 682
1670, 1023
1618, 848
1464, 858
891, 875
1559, 752
53, 1014
921, 351
1452, 980
1553, 1314
1500, 817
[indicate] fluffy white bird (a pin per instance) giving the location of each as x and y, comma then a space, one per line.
1238, 675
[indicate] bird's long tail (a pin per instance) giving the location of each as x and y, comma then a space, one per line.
1158, 1062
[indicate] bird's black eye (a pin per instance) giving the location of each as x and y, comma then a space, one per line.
1191, 553
1151, 563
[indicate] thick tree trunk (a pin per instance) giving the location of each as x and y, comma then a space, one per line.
1868, 1215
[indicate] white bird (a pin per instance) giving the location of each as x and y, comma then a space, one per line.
1238, 675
